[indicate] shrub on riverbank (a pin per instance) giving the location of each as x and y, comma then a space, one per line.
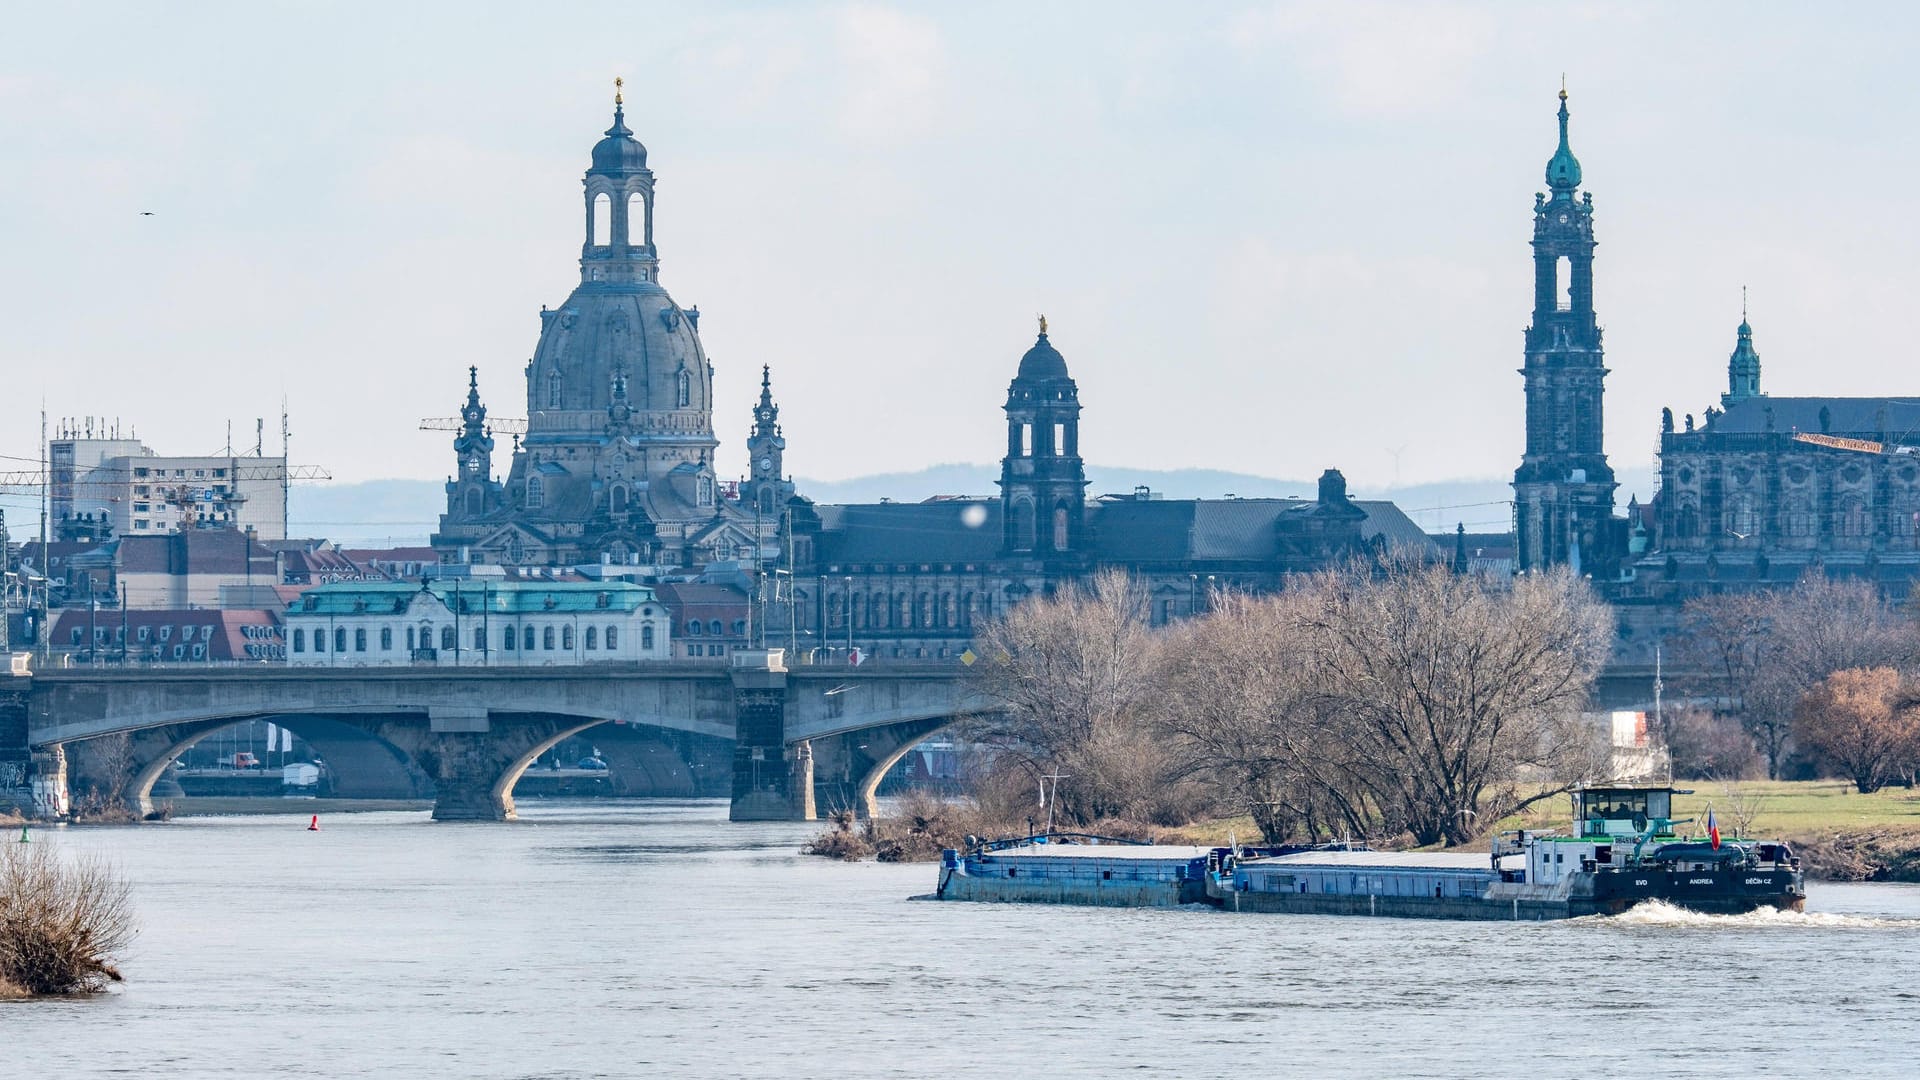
62, 922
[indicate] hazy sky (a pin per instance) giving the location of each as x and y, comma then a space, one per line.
1268, 238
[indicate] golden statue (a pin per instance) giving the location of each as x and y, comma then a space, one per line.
618, 82
1043, 326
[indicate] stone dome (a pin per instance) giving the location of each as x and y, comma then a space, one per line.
619, 152
1043, 361
631, 329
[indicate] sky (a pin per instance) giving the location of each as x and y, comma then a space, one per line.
1268, 238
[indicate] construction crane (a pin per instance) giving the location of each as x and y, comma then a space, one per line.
209, 500
511, 425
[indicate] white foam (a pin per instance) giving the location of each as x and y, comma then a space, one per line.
1658, 913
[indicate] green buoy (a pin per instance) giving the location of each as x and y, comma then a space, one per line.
24, 838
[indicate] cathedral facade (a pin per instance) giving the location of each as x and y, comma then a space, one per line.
616, 465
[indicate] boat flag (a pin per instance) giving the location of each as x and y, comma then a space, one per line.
1713, 829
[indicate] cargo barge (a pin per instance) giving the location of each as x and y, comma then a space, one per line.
1626, 852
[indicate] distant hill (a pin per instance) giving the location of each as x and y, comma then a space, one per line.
391, 513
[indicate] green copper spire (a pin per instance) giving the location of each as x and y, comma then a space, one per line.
1743, 367
1563, 169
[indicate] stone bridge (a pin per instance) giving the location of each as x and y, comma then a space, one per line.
803, 737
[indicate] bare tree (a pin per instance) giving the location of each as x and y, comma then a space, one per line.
1862, 723
1447, 694
1074, 671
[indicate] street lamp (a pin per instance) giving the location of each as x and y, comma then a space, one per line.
849, 612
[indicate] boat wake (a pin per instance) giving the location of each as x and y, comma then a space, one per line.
1657, 913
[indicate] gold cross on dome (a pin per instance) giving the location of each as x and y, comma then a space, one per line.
618, 82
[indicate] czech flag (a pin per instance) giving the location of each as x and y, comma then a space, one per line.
1713, 829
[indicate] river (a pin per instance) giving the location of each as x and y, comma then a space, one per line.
655, 939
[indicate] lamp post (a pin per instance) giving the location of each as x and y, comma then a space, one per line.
849, 582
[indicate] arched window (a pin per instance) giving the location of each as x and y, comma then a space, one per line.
619, 500
685, 394
360, 639
386, 639
508, 639
646, 637
613, 636
546, 638
553, 390
834, 609
447, 640
536, 493
411, 644
527, 642
480, 639
949, 614
602, 220
713, 627
636, 220
1023, 525
706, 491
905, 603
1563, 282
593, 638
340, 639
693, 628
926, 609
566, 638
299, 641
1060, 539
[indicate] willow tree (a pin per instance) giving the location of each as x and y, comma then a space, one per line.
1073, 673
1450, 702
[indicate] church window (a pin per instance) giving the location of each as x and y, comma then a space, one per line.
340, 639
299, 640
1563, 283
508, 639
526, 643
1023, 525
601, 220
593, 638
706, 490
685, 395
566, 637
613, 636
1059, 438
386, 639
447, 640
536, 493
1026, 440
620, 498
636, 220
553, 390
646, 637
1060, 520
360, 639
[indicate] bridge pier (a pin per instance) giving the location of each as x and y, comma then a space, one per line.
772, 781
51, 800
16, 760
465, 765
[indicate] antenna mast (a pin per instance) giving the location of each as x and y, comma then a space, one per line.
46, 545
286, 474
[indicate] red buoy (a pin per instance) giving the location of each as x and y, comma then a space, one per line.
314, 825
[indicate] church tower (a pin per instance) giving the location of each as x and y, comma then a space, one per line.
1563, 490
1743, 367
766, 489
1043, 482
472, 492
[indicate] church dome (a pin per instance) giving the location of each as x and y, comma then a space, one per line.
635, 331
1043, 361
619, 152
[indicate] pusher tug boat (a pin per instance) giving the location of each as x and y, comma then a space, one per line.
1626, 852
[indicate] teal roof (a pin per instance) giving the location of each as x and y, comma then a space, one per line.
1563, 169
494, 597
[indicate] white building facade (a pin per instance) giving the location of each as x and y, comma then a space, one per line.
473, 624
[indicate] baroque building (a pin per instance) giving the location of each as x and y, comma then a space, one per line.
1764, 489
903, 580
1563, 490
617, 462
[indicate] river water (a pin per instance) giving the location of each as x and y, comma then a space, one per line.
655, 939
